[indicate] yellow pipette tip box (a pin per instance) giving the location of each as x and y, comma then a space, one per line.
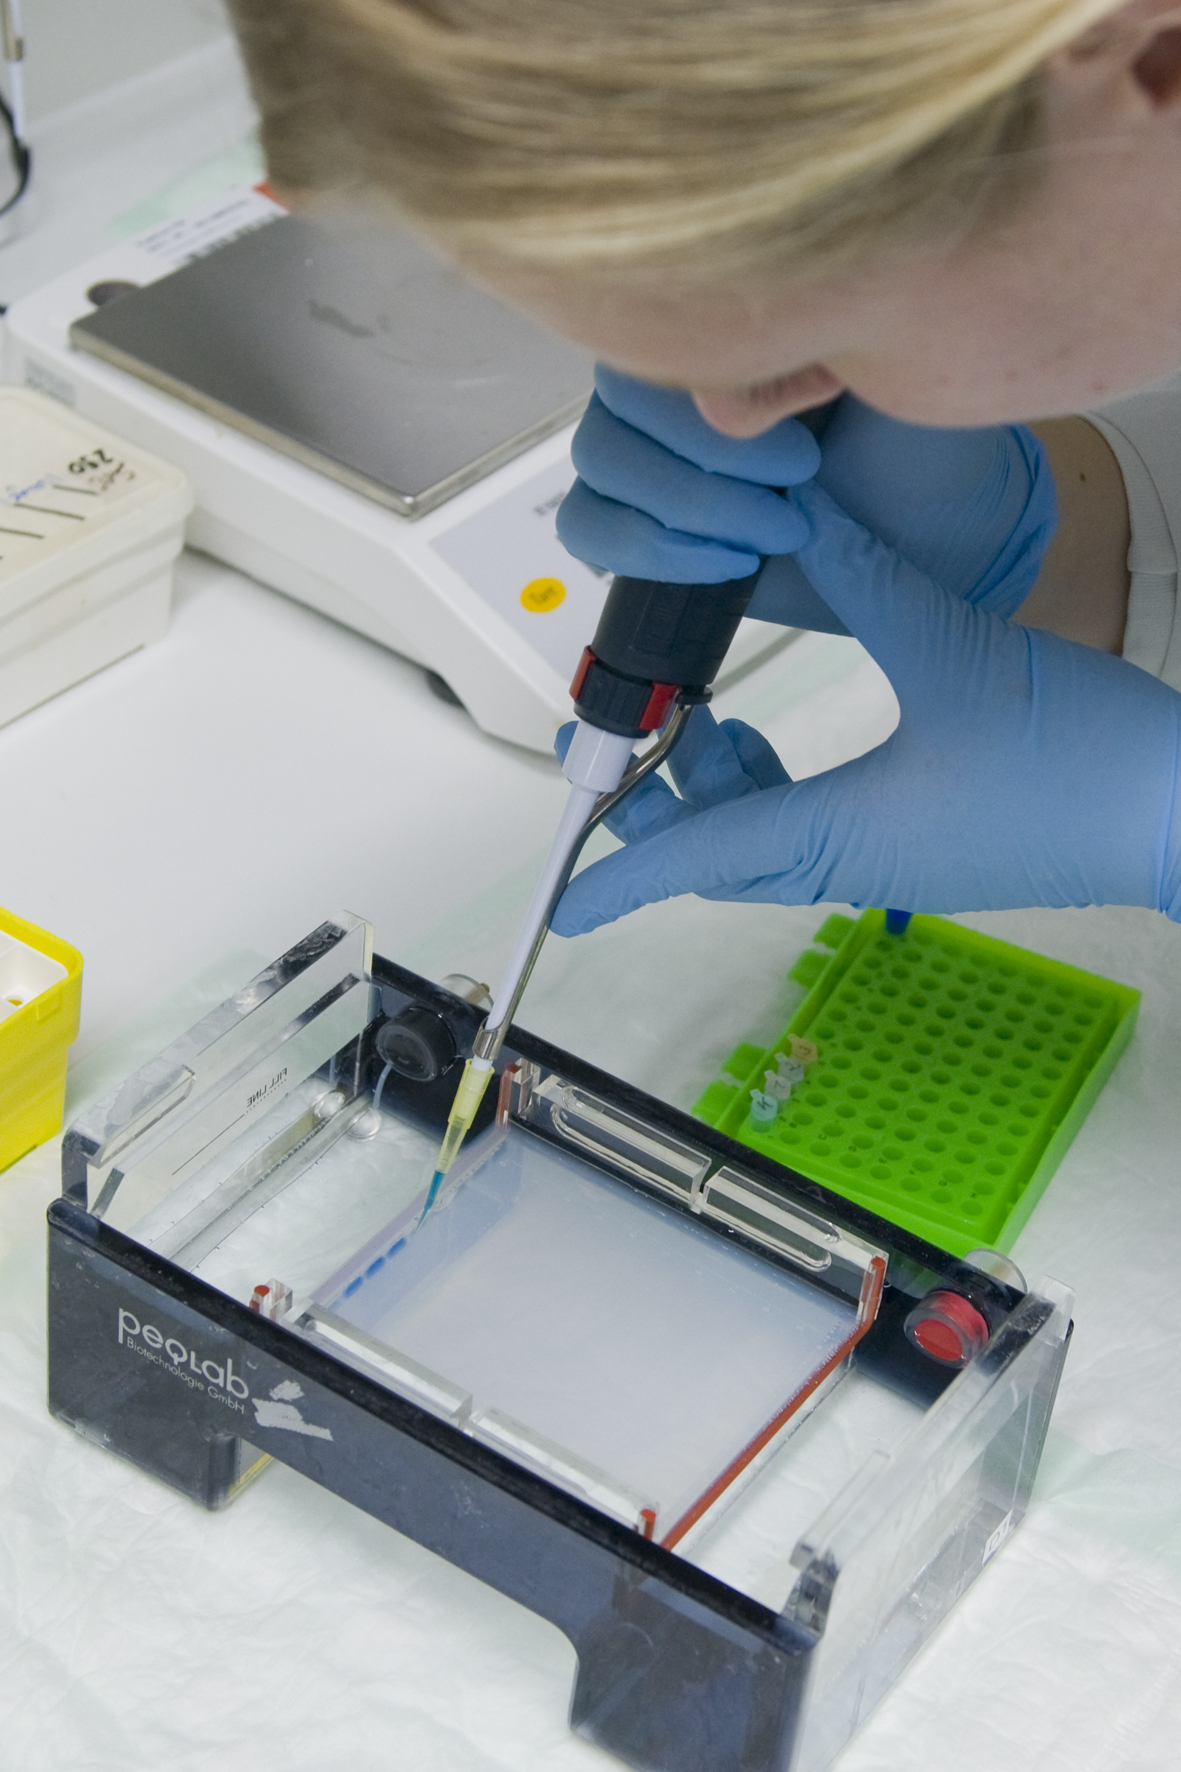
40, 999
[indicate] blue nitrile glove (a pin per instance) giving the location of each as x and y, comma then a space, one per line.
661, 494
1025, 770
975, 509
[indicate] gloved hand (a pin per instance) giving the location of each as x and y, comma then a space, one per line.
661, 494
974, 509
1024, 770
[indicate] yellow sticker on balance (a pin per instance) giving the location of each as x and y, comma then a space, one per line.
543, 594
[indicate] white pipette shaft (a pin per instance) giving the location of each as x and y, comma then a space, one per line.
579, 804
594, 765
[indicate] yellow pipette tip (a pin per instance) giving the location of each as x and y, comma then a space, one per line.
468, 1097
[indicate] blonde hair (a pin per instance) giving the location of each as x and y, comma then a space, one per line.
710, 136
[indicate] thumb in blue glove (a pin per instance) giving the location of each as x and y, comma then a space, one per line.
1025, 770
973, 509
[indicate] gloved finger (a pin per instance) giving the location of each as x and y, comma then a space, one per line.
623, 463
621, 539
646, 810
972, 508
704, 764
783, 595
724, 849
760, 761
767, 890
709, 768
911, 626
892, 476
1015, 569
782, 456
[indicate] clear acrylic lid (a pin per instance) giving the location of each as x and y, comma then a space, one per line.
592, 1330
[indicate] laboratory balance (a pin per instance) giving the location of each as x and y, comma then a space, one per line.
364, 431
638, 1376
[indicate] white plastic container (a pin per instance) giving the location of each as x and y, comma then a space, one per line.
89, 530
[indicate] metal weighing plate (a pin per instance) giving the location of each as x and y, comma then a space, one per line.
353, 349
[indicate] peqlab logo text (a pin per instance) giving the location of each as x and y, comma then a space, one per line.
221, 1382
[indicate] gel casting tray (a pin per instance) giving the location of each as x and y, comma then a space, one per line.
953, 1071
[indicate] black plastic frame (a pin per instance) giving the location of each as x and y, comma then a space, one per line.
677, 1671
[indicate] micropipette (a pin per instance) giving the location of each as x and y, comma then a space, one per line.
656, 650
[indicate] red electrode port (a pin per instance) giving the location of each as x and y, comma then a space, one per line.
947, 1327
271, 1300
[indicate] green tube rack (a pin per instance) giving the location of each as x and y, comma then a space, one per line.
953, 1072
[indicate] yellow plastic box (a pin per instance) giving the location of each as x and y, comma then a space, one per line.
40, 998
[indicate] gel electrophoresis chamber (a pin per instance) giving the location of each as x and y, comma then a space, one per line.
632, 1374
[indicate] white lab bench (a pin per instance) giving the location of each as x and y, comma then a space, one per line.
201, 805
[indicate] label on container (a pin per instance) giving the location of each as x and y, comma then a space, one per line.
62, 478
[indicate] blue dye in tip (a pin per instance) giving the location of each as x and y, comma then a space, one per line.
431, 1193
896, 922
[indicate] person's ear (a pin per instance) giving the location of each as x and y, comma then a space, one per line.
1157, 69
1136, 50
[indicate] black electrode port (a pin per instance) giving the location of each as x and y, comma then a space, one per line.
417, 1043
